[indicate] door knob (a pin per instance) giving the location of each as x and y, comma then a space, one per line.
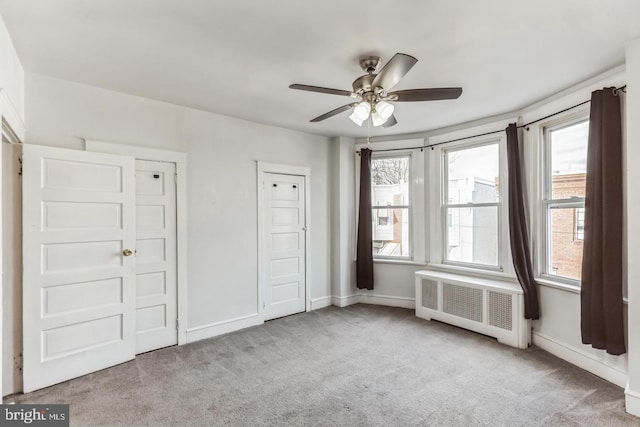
127, 252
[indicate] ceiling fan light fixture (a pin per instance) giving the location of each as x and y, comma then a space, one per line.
381, 114
384, 109
374, 89
360, 113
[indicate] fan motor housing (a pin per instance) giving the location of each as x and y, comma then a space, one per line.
370, 64
363, 84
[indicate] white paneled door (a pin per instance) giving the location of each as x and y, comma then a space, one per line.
156, 291
79, 269
284, 245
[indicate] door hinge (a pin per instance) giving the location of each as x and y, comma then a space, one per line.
175, 178
18, 362
19, 166
177, 323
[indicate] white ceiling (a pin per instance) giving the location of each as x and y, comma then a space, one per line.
238, 57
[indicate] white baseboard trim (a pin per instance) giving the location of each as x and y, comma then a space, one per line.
367, 298
581, 359
388, 300
344, 301
323, 302
632, 402
214, 329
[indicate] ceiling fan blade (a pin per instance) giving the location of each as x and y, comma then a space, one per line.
433, 94
334, 112
393, 71
321, 90
390, 122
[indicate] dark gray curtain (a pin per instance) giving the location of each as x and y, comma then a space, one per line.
601, 294
518, 227
364, 263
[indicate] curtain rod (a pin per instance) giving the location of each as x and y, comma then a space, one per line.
525, 126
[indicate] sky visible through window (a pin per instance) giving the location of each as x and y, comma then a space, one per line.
481, 162
569, 149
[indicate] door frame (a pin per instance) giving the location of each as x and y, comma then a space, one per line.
262, 168
12, 366
12, 129
180, 160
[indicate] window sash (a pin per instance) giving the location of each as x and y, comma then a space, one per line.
445, 237
445, 205
408, 207
409, 210
390, 207
549, 203
548, 206
548, 164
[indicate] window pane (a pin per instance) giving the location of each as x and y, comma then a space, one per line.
390, 181
569, 160
390, 187
473, 175
391, 232
566, 231
472, 235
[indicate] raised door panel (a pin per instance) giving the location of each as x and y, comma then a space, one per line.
156, 289
78, 287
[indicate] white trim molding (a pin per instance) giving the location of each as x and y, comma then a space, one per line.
632, 401
318, 303
224, 327
344, 301
180, 160
364, 297
581, 359
11, 116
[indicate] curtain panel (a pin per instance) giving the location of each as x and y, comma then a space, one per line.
364, 262
601, 292
518, 226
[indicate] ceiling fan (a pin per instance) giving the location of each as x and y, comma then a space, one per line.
372, 91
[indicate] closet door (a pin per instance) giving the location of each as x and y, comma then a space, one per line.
79, 270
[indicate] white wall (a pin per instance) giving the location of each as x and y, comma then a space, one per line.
343, 220
222, 187
222, 207
61, 113
11, 83
632, 177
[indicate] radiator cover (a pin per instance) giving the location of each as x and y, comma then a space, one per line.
492, 307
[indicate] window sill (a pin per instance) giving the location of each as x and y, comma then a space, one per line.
398, 261
486, 274
568, 288
557, 285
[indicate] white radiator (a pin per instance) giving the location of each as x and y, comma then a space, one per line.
489, 306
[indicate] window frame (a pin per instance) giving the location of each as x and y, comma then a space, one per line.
417, 195
408, 206
500, 204
546, 201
